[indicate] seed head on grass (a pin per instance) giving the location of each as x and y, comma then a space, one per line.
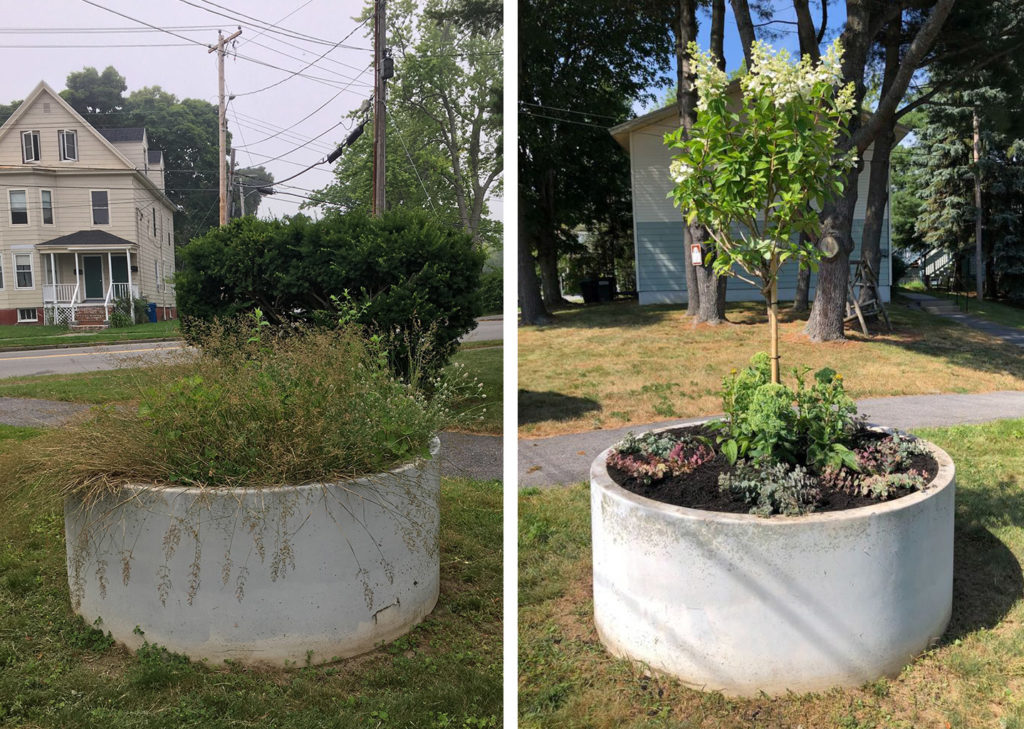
253, 408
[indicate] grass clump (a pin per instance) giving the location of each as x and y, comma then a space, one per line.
256, 408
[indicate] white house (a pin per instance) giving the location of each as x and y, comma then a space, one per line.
85, 220
658, 225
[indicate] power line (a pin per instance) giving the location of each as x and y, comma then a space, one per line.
292, 126
293, 75
564, 121
570, 111
278, 22
394, 123
143, 22
269, 27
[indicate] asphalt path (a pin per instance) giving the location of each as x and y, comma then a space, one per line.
70, 360
565, 459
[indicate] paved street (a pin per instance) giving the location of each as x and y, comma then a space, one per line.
79, 359
486, 329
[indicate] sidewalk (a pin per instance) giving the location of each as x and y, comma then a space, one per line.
947, 309
565, 459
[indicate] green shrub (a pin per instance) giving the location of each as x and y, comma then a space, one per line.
256, 407
491, 291
411, 273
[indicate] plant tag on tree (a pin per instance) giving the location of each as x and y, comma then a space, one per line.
696, 258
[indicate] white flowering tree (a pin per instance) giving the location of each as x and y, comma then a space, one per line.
753, 170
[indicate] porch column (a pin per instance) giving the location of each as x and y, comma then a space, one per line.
110, 271
131, 296
78, 280
53, 270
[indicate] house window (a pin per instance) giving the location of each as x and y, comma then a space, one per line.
67, 140
25, 315
19, 207
30, 146
23, 270
47, 199
154, 222
100, 208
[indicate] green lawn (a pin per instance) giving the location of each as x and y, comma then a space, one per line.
484, 363
974, 677
13, 335
1000, 313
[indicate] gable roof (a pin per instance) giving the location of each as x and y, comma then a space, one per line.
124, 134
88, 238
44, 88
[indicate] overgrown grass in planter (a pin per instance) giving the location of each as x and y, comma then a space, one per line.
256, 408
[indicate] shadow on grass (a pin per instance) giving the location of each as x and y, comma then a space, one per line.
956, 344
610, 315
536, 407
987, 579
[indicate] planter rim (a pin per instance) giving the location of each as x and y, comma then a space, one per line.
600, 478
435, 448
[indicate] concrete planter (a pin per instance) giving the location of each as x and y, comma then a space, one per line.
742, 604
273, 576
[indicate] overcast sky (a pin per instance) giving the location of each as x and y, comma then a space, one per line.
48, 39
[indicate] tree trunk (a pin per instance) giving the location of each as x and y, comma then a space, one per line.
684, 36
878, 195
978, 257
826, 320
702, 287
547, 260
773, 326
878, 181
803, 288
745, 26
717, 39
530, 302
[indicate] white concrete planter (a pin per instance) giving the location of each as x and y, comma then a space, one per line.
277, 575
743, 604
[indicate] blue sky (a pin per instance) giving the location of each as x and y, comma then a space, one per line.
785, 37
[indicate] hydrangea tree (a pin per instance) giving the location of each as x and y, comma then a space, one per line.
755, 169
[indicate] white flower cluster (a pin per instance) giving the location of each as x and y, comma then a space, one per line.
711, 81
774, 74
679, 171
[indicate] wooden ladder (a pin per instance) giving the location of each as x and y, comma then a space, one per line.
855, 310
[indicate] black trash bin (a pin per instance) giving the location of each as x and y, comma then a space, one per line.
588, 287
606, 288
151, 310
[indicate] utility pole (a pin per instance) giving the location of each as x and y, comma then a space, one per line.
221, 40
377, 205
231, 186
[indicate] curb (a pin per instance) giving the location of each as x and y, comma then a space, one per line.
82, 345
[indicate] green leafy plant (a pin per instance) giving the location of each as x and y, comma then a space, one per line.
813, 423
772, 488
753, 169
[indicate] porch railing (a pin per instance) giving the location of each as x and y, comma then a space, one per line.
62, 293
120, 291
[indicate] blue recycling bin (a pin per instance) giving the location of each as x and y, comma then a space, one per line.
151, 310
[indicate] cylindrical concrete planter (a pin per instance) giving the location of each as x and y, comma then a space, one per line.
742, 604
275, 575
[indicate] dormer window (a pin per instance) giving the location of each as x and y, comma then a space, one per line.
67, 140
30, 146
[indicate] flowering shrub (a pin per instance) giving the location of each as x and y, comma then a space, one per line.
654, 456
753, 175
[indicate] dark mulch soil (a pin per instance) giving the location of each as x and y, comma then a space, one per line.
699, 490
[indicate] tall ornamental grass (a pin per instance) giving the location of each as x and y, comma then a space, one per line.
254, 408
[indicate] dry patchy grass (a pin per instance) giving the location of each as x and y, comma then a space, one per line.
622, 364
973, 678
